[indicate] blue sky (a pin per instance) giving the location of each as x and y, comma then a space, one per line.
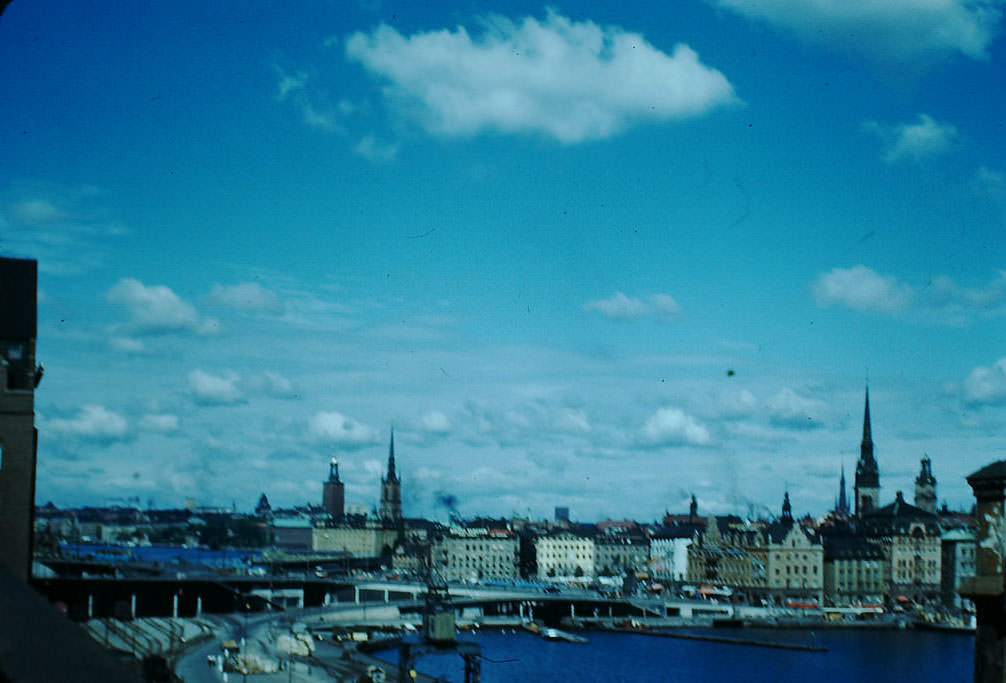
534, 238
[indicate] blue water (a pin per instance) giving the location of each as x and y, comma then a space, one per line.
163, 554
853, 655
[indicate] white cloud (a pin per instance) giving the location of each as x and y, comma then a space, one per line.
335, 428
621, 307
164, 423
292, 88
575, 421
58, 227
208, 389
789, 409
569, 80
914, 141
672, 427
36, 212
941, 300
157, 310
987, 386
991, 183
860, 288
890, 30
92, 423
247, 296
435, 422
372, 149
277, 385
128, 345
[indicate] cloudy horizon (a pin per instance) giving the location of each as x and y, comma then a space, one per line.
603, 258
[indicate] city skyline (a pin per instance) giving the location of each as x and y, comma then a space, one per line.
601, 257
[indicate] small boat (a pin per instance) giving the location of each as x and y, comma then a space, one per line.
556, 634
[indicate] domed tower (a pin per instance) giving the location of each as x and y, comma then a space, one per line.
925, 487
391, 488
334, 492
867, 486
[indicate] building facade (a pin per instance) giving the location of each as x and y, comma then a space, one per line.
925, 487
959, 549
564, 554
470, 555
18, 438
910, 539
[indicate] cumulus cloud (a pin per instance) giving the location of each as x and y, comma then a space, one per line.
621, 307
890, 30
914, 141
941, 300
163, 423
987, 386
435, 422
861, 288
292, 88
278, 386
789, 409
36, 212
672, 427
92, 423
128, 345
337, 429
990, 183
247, 296
56, 226
212, 390
568, 80
373, 149
157, 310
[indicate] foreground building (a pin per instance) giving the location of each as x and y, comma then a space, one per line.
18, 438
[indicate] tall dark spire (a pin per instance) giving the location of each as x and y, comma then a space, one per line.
842, 507
867, 444
787, 509
867, 485
391, 458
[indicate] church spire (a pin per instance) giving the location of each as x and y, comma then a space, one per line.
842, 507
391, 458
787, 509
867, 445
867, 486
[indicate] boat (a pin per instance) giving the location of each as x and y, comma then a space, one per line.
556, 634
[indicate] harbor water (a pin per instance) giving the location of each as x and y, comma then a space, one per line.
891, 656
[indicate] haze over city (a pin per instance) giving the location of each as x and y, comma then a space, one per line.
598, 256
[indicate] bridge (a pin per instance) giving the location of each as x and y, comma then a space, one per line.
191, 596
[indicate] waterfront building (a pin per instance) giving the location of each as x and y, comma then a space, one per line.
867, 483
855, 570
565, 553
795, 559
18, 437
357, 536
910, 539
469, 554
333, 495
925, 486
958, 550
391, 488
730, 552
669, 551
292, 533
618, 553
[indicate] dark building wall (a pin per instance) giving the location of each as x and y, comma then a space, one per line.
18, 284
334, 499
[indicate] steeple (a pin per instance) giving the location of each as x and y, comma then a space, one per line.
693, 509
391, 458
866, 447
867, 485
925, 486
333, 470
787, 509
842, 507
